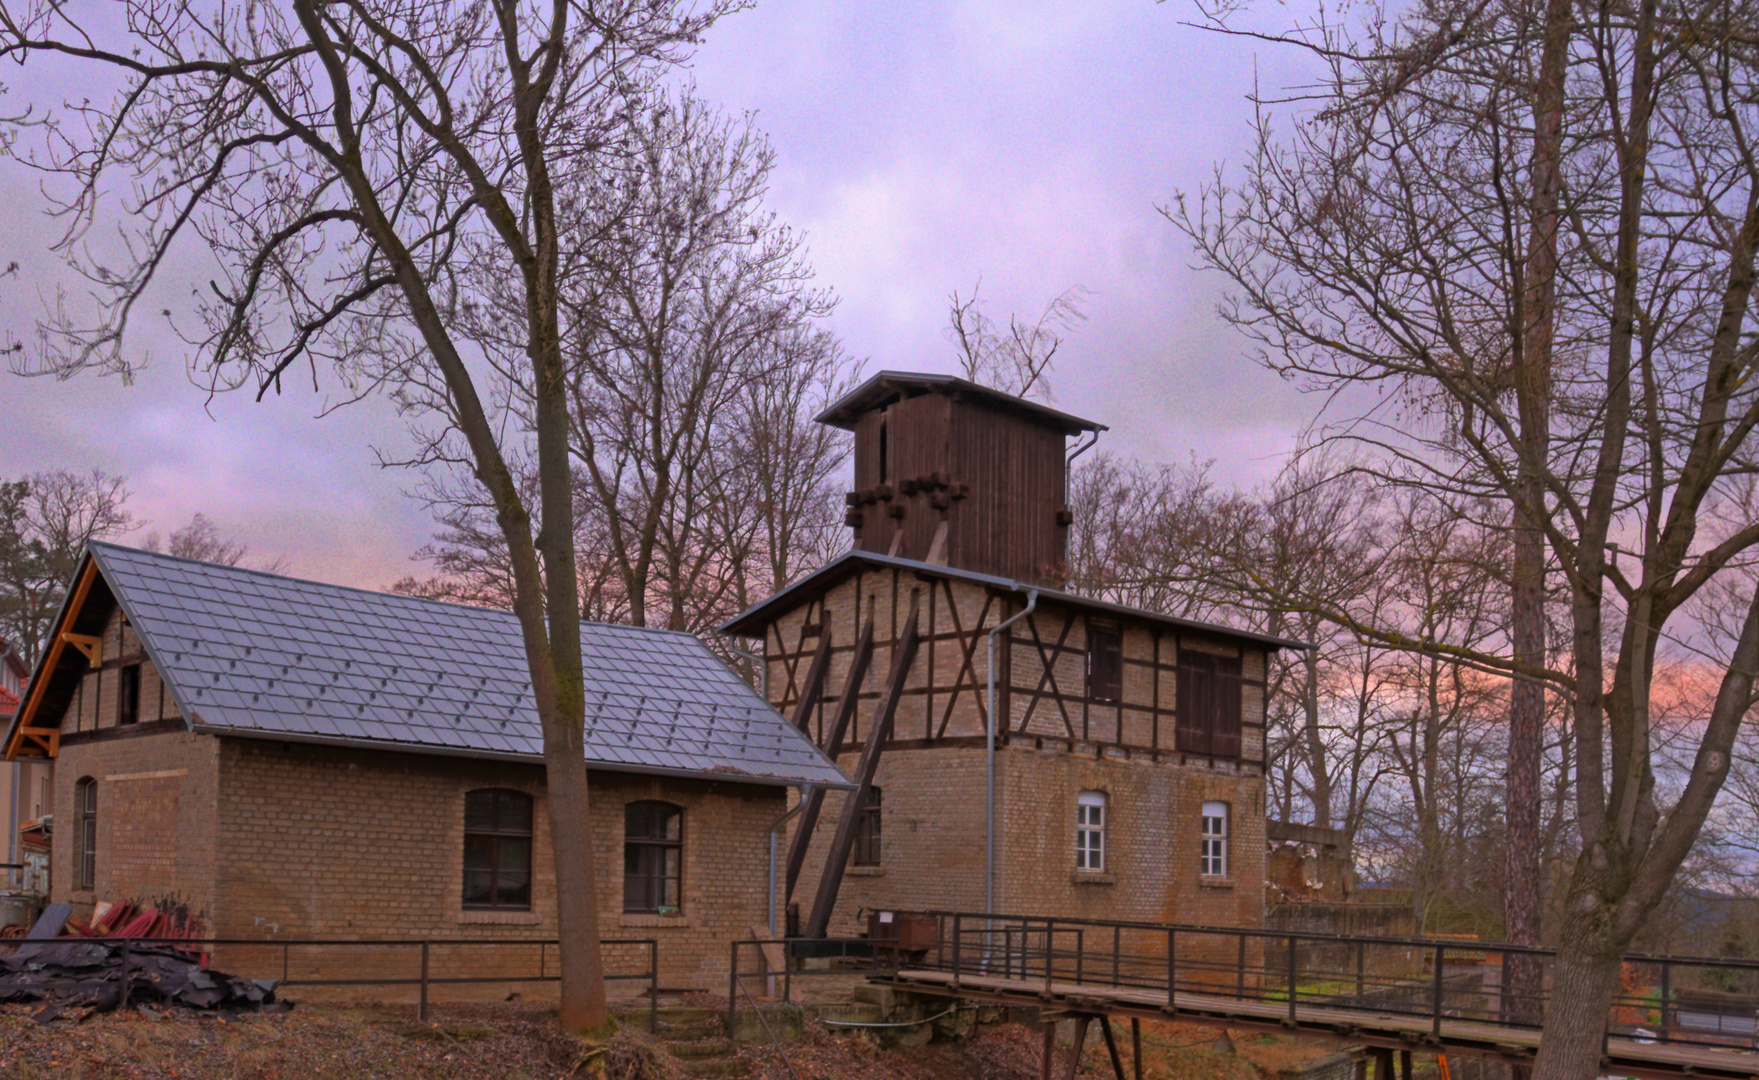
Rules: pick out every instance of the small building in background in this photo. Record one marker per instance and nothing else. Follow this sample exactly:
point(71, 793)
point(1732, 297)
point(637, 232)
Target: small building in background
point(1128, 770)
point(281, 758)
point(24, 802)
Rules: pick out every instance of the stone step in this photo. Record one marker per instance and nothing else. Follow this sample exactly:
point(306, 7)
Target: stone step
point(713, 1067)
point(704, 1048)
point(691, 1031)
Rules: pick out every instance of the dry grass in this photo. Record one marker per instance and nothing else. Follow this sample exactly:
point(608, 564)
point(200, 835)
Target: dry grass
point(466, 1042)
point(518, 1041)
point(1170, 1051)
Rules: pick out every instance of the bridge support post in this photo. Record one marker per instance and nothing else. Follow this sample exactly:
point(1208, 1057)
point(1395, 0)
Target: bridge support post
point(1111, 1046)
point(1404, 1065)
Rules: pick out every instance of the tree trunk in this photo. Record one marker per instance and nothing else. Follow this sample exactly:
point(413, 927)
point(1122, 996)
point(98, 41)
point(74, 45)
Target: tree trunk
point(1584, 979)
point(1537, 318)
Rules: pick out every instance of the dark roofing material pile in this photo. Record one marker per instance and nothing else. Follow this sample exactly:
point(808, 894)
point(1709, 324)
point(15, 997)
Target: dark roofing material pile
point(100, 976)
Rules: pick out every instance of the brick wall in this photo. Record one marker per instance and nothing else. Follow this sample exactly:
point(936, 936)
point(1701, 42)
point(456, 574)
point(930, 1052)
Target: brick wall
point(354, 843)
point(271, 840)
point(156, 827)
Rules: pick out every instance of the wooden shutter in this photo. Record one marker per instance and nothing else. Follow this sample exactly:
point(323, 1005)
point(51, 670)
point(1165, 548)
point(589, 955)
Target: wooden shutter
point(1224, 728)
point(1209, 704)
point(1196, 690)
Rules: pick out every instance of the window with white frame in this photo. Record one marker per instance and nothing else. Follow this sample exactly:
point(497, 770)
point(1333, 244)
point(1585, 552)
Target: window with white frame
point(1214, 859)
point(1090, 831)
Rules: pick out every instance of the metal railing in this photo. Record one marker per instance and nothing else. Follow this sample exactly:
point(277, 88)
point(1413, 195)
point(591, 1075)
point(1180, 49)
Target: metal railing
point(426, 962)
point(1675, 1000)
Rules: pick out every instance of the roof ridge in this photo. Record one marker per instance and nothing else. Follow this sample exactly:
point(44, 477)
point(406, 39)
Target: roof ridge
point(382, 593)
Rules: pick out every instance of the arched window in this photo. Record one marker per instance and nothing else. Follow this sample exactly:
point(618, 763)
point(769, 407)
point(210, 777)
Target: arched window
point(85, 833)
point(653, 857)
point(497, 849)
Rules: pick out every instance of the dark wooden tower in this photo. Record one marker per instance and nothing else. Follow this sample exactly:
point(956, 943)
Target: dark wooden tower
point(950, 472)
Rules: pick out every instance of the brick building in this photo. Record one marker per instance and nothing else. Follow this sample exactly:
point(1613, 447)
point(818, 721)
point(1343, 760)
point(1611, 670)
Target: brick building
point(1128, 765)
point(24, 789)
point(289, 758)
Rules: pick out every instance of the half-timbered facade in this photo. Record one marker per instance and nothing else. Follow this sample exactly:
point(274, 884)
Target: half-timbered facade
point(1129, 746)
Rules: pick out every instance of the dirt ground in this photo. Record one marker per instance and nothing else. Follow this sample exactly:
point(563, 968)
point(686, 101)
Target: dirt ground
point(1170, 1051)
point(516, 1041)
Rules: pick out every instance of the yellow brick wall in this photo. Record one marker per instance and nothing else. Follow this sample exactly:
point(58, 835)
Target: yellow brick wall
point(268, 840)
point(156, 825)
point(357, 843)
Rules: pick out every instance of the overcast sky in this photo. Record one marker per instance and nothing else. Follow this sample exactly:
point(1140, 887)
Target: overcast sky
point(920, 145)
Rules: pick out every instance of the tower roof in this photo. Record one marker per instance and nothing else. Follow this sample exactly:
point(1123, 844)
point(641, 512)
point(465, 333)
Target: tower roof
point(890, 386)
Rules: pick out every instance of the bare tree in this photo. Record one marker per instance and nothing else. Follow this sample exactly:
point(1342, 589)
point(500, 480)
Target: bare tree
point(1381, 244)
point(1017, 361)
point(701, 480)
point(46, 520)
point(202, 540)
point(341, 160)
point(688, 300)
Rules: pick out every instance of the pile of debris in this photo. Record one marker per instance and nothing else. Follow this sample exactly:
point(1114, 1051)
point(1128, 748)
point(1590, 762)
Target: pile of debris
point(79, 977)
point(94, 976)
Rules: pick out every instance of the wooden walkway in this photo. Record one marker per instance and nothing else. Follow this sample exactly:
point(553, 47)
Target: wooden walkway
point(1624, 1056)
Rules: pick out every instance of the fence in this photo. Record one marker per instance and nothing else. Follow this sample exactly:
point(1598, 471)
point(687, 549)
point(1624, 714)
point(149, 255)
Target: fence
point(421, 963)
point(1685, 1001)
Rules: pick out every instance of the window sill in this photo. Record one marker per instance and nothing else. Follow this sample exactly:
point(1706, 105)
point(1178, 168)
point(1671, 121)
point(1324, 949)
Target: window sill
point(1214, 883)
point(866, 871)
point(83, 896)
point(501, 918)
point(630, 919)
point(1092, 877)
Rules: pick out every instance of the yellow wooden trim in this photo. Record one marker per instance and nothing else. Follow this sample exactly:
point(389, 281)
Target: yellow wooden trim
point(29, 708)
point(89, 644)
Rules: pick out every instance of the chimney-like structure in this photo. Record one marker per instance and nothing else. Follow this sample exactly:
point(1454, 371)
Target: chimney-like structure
point(950, 472)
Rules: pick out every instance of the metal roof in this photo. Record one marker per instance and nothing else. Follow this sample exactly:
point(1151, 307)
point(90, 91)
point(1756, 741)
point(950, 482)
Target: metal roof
point(750, 622)
point(248, 653)
point(889, 386)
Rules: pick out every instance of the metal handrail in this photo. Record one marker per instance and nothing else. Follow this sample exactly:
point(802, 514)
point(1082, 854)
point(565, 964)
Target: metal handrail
point(424, 981)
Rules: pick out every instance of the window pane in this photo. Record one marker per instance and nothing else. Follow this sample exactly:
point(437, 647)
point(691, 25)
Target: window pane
point(515, 856)
point(479, 852)
point(512, 812)
point(513, 889)
point(478, 888)
point(479, 811)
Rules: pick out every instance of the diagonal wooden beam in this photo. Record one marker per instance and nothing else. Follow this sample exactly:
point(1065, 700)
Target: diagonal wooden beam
point(27, 711)
point(831, 881)
point(815, 681)
point(814, 800)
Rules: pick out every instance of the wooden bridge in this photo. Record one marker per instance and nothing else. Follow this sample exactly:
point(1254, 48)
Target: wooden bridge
point(1673, 1017)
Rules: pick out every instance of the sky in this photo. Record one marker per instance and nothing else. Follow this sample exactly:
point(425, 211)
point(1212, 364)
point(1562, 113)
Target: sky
point(921, 146)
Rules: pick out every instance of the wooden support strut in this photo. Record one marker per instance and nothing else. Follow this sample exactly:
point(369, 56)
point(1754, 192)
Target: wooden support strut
point(27, 710)
point(815, 681)
point(90, 644)
point(831, 881)
point(815, 799)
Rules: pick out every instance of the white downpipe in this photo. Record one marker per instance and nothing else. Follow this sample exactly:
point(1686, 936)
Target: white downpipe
point(989, 824)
